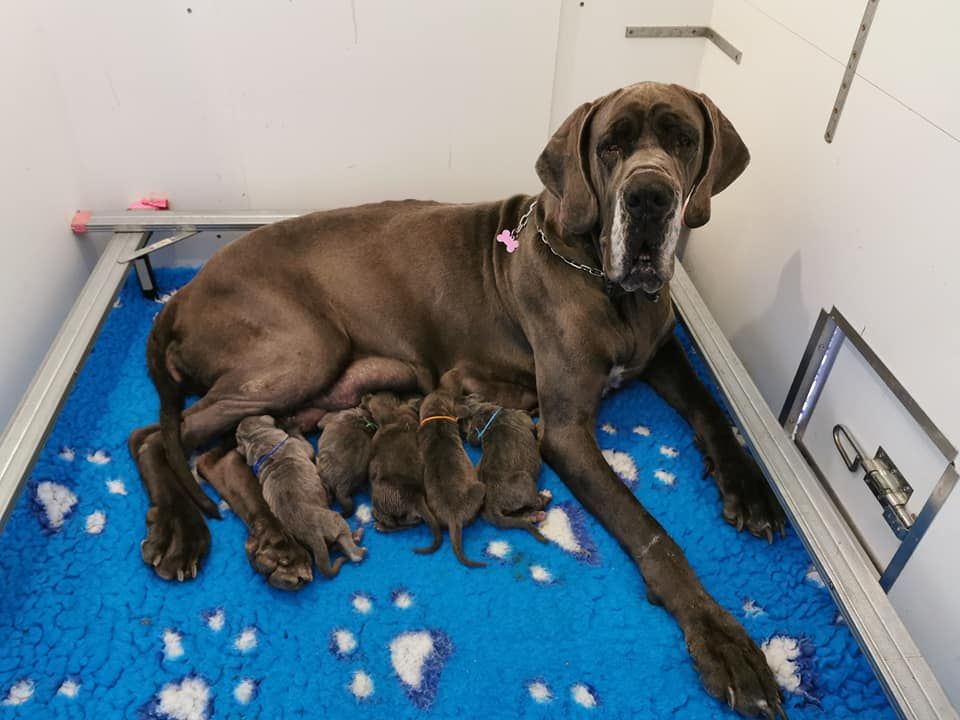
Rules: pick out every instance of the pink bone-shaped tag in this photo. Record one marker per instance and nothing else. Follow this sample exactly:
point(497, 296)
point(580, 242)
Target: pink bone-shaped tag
point(507, 238)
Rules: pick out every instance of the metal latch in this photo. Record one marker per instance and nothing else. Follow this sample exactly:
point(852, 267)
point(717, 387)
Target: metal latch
point(882, 477)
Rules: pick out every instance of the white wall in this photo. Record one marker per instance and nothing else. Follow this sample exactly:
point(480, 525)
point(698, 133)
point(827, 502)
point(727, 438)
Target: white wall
point(42, 269)
point(298, 104)
point(865, 223)
point(594, 57)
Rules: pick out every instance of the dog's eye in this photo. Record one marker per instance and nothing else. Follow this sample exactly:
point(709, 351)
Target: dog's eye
point(684, 141)
point(609, 151)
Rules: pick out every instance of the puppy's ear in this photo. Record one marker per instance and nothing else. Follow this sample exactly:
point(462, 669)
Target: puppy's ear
point(564, 169)
point(724, 158)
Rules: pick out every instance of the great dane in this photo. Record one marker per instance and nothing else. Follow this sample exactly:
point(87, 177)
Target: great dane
point(539, 301)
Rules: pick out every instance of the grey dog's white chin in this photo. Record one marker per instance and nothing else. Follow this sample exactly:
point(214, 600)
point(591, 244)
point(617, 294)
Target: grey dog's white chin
point(643, 277)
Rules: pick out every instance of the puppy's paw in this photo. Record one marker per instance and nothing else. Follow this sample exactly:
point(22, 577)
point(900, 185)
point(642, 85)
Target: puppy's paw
point(277, 555)
point(748, 501)
point(732, 668)
point(177, 540)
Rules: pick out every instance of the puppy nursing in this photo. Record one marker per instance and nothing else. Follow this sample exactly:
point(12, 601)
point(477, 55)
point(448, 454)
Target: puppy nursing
point(509, 467)
point(396, 472)
point(294, 491)
point(453, 492)
point(343, 453)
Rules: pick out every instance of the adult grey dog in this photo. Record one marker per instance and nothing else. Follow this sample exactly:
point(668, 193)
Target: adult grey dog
point(315, 311)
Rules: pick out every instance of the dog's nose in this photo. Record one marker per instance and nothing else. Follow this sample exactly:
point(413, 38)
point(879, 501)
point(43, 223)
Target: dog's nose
point(648, 200)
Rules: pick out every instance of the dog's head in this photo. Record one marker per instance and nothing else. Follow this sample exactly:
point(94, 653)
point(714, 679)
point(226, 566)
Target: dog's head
point(629, 167)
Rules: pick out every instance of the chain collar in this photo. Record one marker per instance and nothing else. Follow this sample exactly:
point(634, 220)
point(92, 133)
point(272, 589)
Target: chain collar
point(590, 270)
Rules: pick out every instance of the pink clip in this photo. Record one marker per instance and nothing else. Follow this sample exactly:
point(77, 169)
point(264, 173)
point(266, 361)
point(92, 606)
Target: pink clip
point(153, 202)
point(79, 222)
point(507, 238)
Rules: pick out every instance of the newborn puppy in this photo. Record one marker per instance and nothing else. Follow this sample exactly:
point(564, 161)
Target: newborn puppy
point(284, 465)
point(510, 464)
point(453, 491)
point(343, 453)
point(396, 472)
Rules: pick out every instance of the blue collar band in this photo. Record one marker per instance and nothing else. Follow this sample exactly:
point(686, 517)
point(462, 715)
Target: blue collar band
point(489, 423)
point(258, 465)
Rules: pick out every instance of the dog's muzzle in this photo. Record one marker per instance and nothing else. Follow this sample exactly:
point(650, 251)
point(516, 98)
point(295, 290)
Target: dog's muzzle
point(644, 233)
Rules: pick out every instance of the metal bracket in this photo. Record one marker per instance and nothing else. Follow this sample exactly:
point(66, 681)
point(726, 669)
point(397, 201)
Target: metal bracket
point(182, 234)
point(675, 31)
point(851, 70)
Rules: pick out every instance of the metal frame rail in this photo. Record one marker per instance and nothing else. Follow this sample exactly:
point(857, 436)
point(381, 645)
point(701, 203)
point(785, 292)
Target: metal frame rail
point(910, 684)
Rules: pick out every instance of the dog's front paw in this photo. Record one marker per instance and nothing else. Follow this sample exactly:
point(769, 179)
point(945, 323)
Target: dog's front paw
point(177, 540)
point(276, 555)
point(732, 668)
point(748, 501)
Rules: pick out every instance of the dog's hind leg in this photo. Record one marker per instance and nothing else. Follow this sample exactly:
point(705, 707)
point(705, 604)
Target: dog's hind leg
point(347, 541)
point(514, 523)
point(263, 383)
point(177, 534)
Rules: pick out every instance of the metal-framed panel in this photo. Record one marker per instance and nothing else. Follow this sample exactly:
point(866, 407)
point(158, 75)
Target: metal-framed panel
point(911, 686)
point(831, 330)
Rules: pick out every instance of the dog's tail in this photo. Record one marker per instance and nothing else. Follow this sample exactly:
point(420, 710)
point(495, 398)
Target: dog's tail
point(171, 412)
point(431, 521)
point(456, 539)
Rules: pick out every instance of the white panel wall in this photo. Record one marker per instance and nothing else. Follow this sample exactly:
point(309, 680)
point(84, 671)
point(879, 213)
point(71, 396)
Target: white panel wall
point(299, 104)
point(42, 268)
point(594, 57)
point(866, 223)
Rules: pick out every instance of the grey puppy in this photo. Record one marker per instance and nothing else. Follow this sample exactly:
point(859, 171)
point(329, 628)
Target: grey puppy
point(396, 471)
point(294, 492)
point(510, 464)
point(453, 491)
point(343, 453)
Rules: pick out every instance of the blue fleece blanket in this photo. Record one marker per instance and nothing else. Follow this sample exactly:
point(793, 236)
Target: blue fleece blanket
point(544, 631)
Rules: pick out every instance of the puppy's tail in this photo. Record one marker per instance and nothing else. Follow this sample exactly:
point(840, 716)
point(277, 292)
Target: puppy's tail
point(171, 411)
point(321, 556)
point(429, 518)
point(456, 539)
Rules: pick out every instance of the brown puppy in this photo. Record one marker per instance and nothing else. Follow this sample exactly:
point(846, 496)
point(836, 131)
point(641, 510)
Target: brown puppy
point(396, 472)
point(510, 464)
point(284, 465)
point(343, 453)
point(453, 491)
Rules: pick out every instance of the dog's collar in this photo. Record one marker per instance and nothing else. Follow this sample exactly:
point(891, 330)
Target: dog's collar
point(434, 418)
point(488, 424)
point(258, 465)
point(509, 239)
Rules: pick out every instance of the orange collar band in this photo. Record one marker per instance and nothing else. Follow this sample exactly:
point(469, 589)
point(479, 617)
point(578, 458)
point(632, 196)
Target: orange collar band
point(448, 418)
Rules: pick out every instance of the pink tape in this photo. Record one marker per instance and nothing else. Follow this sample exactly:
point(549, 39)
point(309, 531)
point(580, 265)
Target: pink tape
point(154, 202)
point(79, 222)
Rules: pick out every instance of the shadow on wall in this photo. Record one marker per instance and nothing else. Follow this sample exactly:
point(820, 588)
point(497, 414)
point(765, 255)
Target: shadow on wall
point(778, 358)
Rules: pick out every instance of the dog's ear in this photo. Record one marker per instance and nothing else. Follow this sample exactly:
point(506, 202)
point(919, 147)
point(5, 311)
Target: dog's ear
point(564, 169)
point(724, 158)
